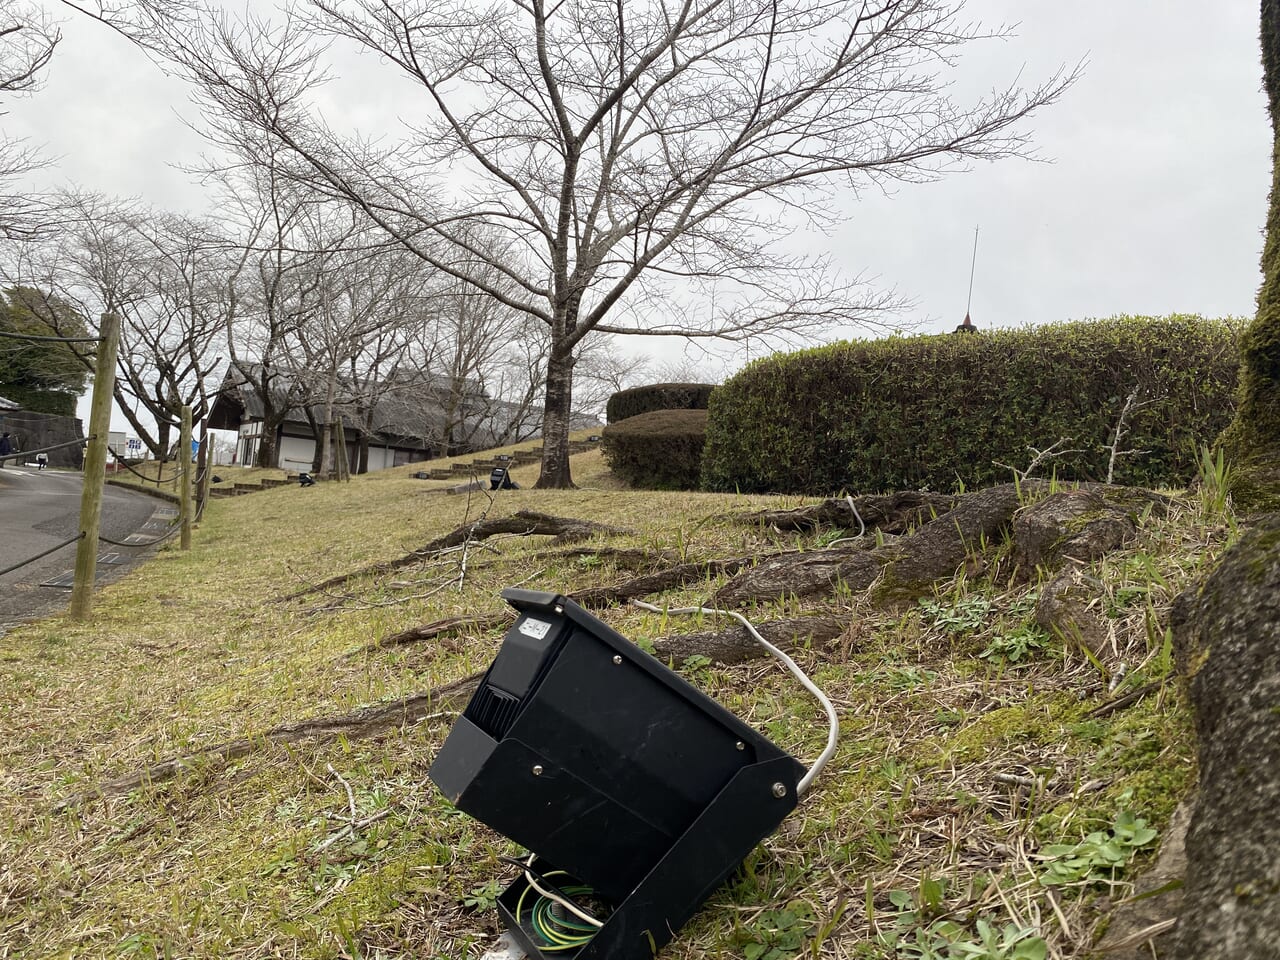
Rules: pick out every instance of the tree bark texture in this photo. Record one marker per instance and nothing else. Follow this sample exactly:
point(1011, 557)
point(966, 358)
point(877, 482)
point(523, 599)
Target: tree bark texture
point(1227, 642)
point(1252, 442)
point(555, 473)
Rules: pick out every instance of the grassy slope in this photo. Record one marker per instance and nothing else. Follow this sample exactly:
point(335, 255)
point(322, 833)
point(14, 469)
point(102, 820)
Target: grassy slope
point(225, 861)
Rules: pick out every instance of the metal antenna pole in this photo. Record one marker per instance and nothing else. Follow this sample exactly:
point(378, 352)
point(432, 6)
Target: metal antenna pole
point(969, 302)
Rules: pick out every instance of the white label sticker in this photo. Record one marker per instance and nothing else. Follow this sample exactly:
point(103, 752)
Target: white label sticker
point(531, 627)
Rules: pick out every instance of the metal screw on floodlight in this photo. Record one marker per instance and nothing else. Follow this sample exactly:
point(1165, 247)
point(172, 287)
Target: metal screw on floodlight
point(537, 769)
point(779, 790)
point(617, 658)
point(740, 745)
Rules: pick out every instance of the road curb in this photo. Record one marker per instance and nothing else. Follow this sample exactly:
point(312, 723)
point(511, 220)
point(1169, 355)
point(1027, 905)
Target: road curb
point(159, 494)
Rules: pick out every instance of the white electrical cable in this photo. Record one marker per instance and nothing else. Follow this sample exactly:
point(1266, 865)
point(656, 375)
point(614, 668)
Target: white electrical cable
point(580, 914)
point(833, 729)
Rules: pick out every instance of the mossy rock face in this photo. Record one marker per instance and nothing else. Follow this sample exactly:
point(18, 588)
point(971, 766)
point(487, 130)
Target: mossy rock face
point(1230, 630)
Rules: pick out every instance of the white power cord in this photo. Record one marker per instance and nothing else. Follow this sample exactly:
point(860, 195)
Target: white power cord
point(580, 914)
point(833, 729)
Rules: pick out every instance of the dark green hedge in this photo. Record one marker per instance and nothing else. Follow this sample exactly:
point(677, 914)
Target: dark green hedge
point(659, 450)
point(934, 411)
point(657, 396)
point(40, 401)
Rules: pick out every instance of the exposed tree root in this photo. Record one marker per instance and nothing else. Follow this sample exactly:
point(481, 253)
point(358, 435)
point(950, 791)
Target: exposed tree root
point(625, 558)
point(934, 551)
point(939, 548)
point(364, 722)
point(891, 512)
point(594, 597)
point(668, 579)
point(523, 523)
point(735, 645)
point(438, 628)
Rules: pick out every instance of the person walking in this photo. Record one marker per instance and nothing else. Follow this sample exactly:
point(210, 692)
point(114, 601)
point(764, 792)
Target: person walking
point(6, 447)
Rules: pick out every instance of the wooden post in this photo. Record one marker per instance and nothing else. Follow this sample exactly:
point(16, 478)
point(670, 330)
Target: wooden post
point(95, 468)
point(185, 479)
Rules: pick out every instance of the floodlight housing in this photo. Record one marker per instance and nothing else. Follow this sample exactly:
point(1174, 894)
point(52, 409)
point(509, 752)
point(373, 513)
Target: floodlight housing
point(607, 766)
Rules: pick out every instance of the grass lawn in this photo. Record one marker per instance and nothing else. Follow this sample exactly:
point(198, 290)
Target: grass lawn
point(966, 748)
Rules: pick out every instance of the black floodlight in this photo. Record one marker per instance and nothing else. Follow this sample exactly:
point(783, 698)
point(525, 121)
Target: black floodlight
point(636, 794)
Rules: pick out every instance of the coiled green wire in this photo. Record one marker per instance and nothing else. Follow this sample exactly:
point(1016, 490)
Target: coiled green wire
point(559, 934)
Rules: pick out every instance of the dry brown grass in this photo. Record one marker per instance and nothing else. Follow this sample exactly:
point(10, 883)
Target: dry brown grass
point(950, 766)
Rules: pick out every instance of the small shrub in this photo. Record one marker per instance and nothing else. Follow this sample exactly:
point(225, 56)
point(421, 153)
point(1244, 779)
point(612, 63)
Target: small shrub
point(658, 396)
point(660, 450)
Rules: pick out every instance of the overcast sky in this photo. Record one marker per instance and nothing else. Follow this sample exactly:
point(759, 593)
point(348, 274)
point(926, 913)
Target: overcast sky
point(1151, 199)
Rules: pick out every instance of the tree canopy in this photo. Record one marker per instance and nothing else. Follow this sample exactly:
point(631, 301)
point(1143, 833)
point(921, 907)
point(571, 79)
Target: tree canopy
point(32, 368)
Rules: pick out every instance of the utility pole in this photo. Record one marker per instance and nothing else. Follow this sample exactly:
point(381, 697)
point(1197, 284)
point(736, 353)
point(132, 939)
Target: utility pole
point(95, 468)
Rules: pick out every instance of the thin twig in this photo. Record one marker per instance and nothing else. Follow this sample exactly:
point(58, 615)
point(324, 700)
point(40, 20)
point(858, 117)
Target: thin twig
point(1048, 453)
point(351, 797)
point(350, 829)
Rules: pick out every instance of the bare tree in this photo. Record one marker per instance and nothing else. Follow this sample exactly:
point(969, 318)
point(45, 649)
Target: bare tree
point(27, 41)
point(277, 289)
point(170, 340)
point(638, 159)
point(602, 370)
point(165, 278)
point(359, 293)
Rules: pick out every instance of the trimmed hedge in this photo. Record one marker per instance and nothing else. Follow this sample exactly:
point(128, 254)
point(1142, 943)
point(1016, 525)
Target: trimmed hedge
point(658, 450)
point(657, 396)
point(931, 412)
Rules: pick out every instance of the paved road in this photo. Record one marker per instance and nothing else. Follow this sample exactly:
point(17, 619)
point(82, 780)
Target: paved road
point(39, 509)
